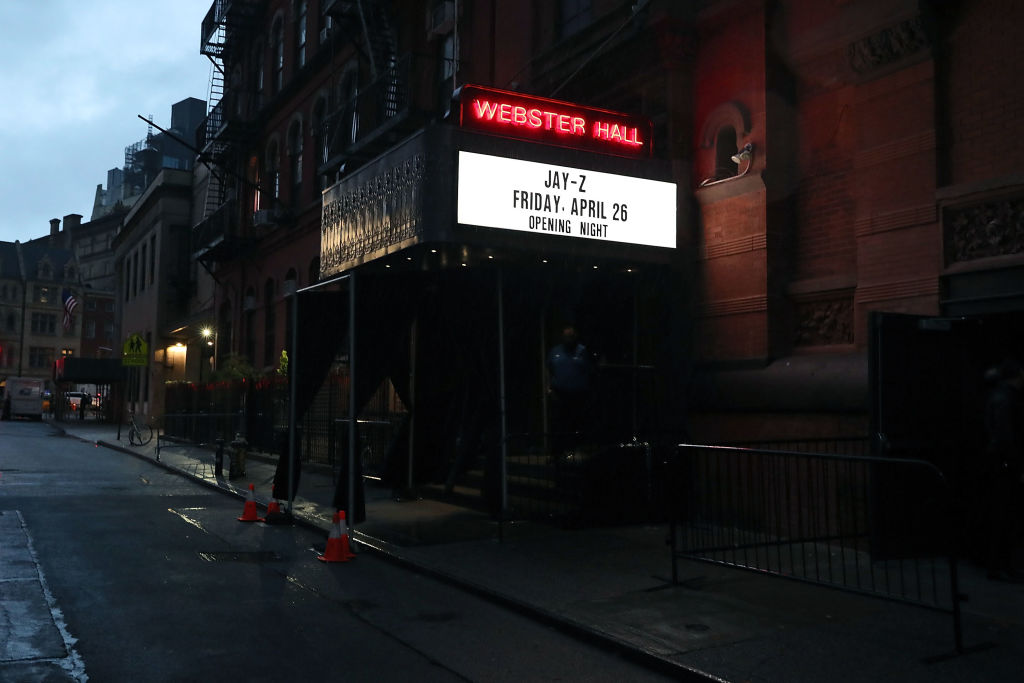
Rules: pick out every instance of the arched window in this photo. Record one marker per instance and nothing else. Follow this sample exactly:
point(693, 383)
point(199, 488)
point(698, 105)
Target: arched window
point(277, 47)
point(725, 148)
point(249, 318)
point(348, 91)
point(295, 152)
point(291, 281)
point(317, 130)
point(224, 330)
point(720, 134)
point(269, 322)
point(300, 33)
point(273, 166)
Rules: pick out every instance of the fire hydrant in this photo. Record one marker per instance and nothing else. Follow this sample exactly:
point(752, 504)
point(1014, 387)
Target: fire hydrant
point(218, 459)
point(239, 449)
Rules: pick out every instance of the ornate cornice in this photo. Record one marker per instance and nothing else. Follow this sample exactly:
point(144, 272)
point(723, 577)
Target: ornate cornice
point(383, 211)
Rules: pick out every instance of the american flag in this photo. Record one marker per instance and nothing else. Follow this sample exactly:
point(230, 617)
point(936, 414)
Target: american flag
point(70, 304)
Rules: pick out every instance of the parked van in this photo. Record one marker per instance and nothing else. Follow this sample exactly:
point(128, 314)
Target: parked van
point(23, 396)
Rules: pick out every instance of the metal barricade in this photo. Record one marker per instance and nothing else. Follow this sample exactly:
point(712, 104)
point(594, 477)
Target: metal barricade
point(878, 526)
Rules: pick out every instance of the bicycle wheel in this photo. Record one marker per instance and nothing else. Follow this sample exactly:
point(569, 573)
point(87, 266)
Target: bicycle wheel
point(143, 435)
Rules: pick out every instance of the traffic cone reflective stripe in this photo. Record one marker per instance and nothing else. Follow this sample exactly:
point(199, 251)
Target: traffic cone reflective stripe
point(250, 513)
point(338, 549)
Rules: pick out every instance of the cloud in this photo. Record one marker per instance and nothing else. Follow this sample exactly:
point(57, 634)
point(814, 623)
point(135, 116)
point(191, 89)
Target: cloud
point(75, 75)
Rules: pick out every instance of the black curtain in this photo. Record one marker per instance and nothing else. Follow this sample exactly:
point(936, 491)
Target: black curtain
point(322, 328)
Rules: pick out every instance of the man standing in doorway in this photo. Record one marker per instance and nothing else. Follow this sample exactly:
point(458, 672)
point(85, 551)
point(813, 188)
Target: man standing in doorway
point(571, 370)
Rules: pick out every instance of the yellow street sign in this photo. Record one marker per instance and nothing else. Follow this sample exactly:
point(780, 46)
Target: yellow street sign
point(135, 351)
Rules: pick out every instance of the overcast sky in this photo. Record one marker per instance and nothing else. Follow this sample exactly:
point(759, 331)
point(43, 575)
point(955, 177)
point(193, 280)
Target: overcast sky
point(73, 76)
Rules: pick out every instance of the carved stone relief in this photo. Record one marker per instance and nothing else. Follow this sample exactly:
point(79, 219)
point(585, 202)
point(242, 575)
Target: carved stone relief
point(983, 230)
point(889, 46)
point(824, 323)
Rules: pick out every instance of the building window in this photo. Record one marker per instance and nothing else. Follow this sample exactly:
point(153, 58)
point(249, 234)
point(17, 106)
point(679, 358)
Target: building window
point(42, 295)
point(90, 305)
point(446, 66)
point(108, 331)
point(152, 259)
point(259, 73)
point(44, 323)
point(109, 307)
point(269, 323)
point(575, 16)
point(295, 150)
point(277, 38)
point(348, 94)
point(135, 273)
point(142, 275)
point(300, 34)
point(12, 323)
point(273, 166)
point(90, 329)
point(249, 323)
point(40, 357)
point(320, 151)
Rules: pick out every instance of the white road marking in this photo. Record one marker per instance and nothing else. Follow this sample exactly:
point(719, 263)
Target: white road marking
point(72, 663)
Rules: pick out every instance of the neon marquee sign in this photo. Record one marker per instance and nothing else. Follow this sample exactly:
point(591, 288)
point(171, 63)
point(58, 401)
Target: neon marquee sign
point(538, 119)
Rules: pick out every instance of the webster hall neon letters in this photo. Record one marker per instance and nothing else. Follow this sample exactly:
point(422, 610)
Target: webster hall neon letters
point(538, 119)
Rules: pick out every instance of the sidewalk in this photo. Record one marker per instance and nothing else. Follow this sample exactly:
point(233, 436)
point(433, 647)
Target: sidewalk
point(612, 586)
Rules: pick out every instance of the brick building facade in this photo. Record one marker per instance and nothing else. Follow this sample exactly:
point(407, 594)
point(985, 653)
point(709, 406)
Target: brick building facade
point(879, 175)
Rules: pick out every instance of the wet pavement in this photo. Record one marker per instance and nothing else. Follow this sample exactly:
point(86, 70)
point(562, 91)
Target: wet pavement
point(612, 585)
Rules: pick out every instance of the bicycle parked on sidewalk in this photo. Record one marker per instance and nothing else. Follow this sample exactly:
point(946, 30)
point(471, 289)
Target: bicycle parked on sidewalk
point(138, 434)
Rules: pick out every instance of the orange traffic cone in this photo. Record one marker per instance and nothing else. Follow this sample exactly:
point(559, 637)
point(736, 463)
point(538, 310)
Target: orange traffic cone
point(337, 542)
point(275, 515)
point(250, 513)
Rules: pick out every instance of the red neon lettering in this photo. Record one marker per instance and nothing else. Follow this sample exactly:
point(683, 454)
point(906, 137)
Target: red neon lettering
point(484, 109)
point(563, 124)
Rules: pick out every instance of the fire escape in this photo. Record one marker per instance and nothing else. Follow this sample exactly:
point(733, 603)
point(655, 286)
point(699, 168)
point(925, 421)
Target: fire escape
point(216, 237)
point(370, 115)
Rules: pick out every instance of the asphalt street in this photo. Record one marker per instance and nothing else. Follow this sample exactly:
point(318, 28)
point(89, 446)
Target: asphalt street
point(113, 569)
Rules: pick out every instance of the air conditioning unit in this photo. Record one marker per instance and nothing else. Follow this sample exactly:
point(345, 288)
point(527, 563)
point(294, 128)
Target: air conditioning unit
point(441, 18)
point(263, 218)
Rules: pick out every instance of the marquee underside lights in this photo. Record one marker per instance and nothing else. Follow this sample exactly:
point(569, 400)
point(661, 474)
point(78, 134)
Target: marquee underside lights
point(573, 203)
point(553, 122)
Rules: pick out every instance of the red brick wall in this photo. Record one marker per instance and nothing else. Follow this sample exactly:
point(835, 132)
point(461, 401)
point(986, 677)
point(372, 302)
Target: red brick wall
point(982, 101)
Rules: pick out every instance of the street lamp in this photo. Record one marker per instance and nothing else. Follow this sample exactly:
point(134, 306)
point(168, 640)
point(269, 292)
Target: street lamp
point(206, 358)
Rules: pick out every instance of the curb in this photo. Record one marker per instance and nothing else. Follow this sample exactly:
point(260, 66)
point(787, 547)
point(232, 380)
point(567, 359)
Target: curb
point(390, 553)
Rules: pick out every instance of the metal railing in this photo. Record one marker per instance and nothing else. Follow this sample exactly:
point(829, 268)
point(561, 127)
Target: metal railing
point(201, 428)
point(871, 525)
